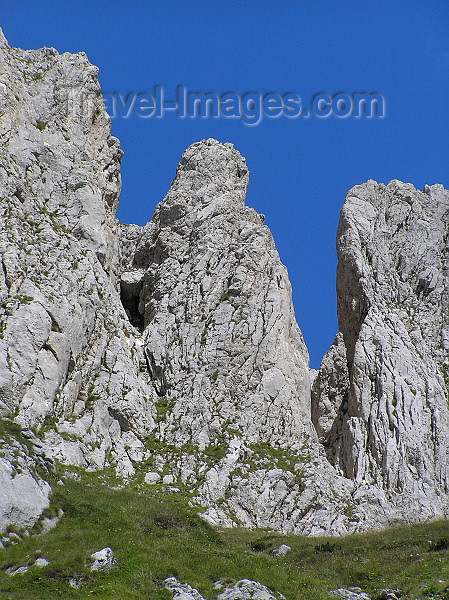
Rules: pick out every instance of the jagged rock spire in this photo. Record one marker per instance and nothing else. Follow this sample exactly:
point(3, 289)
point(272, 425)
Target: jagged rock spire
point(3, 40)
point(393, 299)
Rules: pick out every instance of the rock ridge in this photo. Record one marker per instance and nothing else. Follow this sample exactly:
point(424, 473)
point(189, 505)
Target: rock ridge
point(170, 352)
point(388, 404)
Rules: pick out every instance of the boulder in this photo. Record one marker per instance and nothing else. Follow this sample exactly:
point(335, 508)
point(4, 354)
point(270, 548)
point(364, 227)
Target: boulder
point(103, 560)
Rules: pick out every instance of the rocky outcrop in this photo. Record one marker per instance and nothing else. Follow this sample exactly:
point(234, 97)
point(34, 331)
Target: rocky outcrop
point(174, 343)
point(224, 351)
point(354, 593)
point(23, 494)
point(181, 591)
point(393, 301)
point(171, 353)
point(241, 590)
point(220, 335)
point(69, 363)
point(103, 560)
point(330, 396)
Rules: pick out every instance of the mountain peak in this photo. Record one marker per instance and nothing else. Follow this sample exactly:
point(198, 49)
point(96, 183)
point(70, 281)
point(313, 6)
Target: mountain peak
point(171, 352)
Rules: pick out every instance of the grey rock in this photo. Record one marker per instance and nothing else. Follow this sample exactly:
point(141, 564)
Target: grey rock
point(247, 590)
point(181, 591)
point(23, 492)
point(282, 550)
point(49, 523)
point(103, 560)
point(216, 327)
point(183, 331)
point(330, 389)
point(350, 594)
point(225, 353)
point(23, 495)
point(67, 350)
point(242, 590)
point(75, 583)
point(18, 571)
point(390, 594)
point(393, 294)
point(41, 562)
point(152, 478)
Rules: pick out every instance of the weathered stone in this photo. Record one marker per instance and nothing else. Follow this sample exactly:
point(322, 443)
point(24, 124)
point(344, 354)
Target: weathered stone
point(67, 348)
point(390, 594)
point(181, 591)
point(393, 296)
point(182, 332)
point(18, 571)
point(23, 496)
point(225, 353)
point(282, 550)
point(152, 478)
point(330, 389)
point(248, 590)
point(350, 594)
point(75, 583)
point(48, 523)
point(41, 562)
point(103, 560)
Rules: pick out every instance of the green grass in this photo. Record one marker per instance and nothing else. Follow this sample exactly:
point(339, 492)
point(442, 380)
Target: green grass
point(164, 406)
point(155, 534)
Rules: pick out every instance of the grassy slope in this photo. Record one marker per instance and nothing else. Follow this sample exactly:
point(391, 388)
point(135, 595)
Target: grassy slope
point(155, 537)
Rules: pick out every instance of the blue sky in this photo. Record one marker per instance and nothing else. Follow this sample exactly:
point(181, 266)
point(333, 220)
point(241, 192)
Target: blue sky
point(300, 168)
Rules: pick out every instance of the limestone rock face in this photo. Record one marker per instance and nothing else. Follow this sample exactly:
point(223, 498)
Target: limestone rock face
point(330, 394)
point(181, 591)
point(220, 335)
point(174, 343)
point(244, 589)
point(393, 302)
point(23, 494)
point(69, 360)
point(247, 590)
point(350, 594)
point(224, 350)
point(171, 351)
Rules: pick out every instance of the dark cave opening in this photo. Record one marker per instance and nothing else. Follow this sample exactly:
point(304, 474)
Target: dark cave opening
point(130, 288)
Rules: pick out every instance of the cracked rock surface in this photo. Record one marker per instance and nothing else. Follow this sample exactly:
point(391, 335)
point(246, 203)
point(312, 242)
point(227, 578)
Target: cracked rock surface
point(171, 352)
point(68, 364)
point(242, 590)
point(385, 414)
point(226, 355)
point(24, 494)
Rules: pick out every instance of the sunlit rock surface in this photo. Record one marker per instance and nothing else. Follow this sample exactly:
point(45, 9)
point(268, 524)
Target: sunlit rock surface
point(170, 352)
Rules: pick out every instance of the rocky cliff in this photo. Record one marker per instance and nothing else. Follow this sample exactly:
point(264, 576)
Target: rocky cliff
point(381, 396)
point(171, 353)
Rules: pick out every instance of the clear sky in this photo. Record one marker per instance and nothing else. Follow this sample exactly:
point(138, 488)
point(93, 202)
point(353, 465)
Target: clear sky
point(300, 168)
